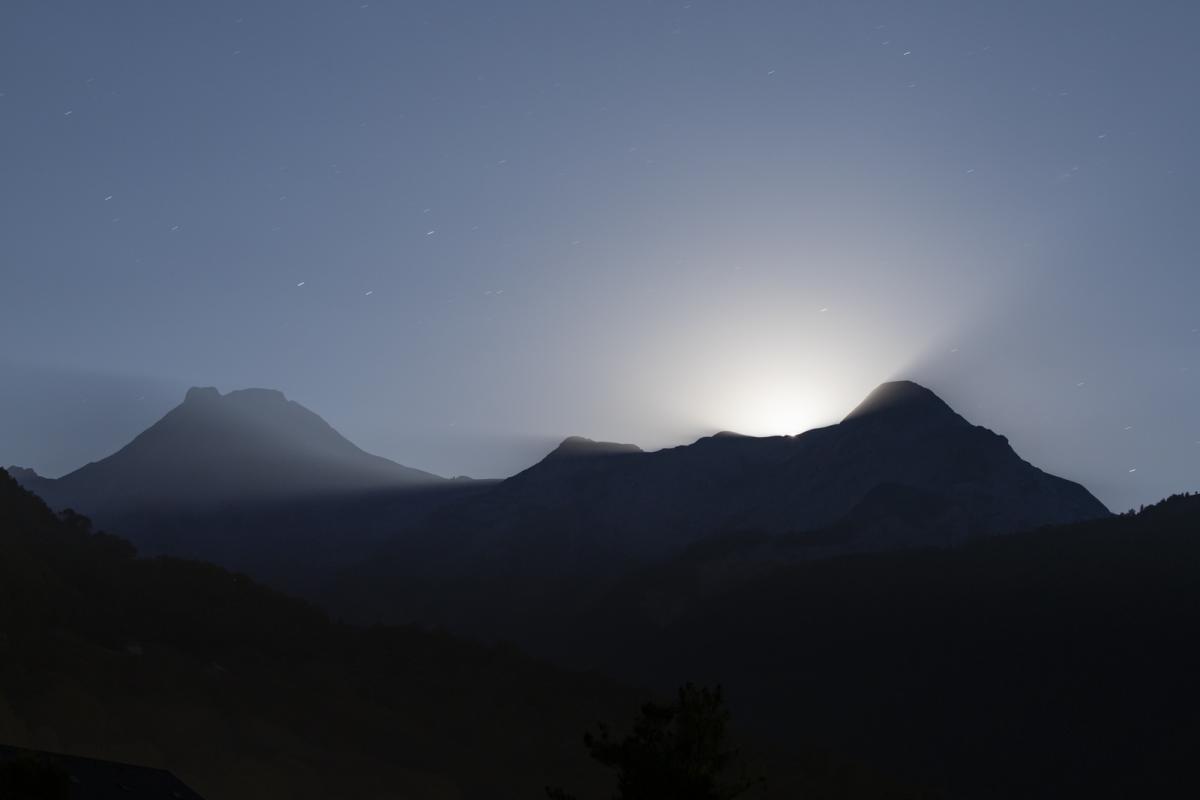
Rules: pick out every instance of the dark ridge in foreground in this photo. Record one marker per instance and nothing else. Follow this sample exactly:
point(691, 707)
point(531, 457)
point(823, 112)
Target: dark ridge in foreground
point(245, 693)
point(36, 775)
point(1058, 662)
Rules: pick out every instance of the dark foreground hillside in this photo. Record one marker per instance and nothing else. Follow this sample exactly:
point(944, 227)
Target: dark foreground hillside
point(1061, 662)
point(245, 693)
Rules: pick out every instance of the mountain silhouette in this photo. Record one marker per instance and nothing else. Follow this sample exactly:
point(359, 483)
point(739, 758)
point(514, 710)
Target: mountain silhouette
point(580, 447)
point(903, 402)
point(251, 445)
point(901, 470)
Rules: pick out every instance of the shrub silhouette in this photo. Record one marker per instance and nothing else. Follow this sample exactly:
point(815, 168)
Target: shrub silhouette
point(677, 751)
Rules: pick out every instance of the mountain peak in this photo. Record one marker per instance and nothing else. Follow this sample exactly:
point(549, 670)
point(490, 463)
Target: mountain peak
point(22, 475)
point(902, 398)
point(245, 446)
point(580, 447)
point(244, 397)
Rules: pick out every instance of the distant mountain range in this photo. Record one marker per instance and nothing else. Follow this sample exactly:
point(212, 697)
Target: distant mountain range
point(902, 470)
point(900, 588)
point(1052, 663)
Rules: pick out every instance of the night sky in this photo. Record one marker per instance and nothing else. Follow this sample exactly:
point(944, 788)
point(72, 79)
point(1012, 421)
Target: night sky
point(461, 231)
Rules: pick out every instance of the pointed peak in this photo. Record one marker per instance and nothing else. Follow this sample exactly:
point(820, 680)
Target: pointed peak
point(581, 447)
point(902, 398)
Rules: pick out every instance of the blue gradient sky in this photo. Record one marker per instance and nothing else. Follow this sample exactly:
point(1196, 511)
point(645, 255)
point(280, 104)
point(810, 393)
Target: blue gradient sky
point(640, 221)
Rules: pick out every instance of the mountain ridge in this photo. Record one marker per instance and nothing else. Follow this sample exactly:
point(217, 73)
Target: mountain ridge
point(213, 449)
point(608, 506)
point(903, 469)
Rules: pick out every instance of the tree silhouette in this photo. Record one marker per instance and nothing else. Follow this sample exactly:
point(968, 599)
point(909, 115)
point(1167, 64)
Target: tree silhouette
point(677, 751)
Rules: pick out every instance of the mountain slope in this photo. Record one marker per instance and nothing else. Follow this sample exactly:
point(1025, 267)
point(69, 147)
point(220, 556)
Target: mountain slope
point(902, 458)
point(252, 445)
point(1059, 662)
point(245, 693)
point(257, 483)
